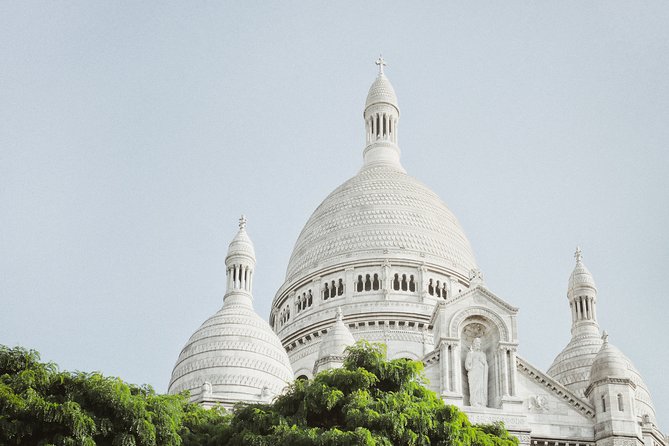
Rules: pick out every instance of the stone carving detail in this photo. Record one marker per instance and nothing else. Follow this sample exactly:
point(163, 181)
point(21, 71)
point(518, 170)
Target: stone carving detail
point(538, 403)
point(206, 389)
point(477, 375)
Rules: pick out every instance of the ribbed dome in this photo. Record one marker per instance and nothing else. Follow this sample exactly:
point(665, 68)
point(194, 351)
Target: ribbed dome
point(610, 362)
point(237, 352)
point(571, 367)
point(381, 208)
point(241, 244)
point(381, 91)
point(580, 276)
point(336, 340)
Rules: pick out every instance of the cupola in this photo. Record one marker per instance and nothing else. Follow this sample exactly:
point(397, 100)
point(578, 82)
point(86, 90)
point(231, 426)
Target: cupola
point(382, 116)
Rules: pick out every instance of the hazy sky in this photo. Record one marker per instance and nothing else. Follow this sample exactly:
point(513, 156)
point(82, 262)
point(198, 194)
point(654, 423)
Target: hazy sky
point(134, 134)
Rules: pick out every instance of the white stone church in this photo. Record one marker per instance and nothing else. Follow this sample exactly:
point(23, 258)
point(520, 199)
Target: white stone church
point(383, 259)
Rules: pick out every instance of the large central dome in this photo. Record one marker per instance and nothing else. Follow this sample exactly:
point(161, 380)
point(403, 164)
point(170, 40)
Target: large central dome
point(380, 209)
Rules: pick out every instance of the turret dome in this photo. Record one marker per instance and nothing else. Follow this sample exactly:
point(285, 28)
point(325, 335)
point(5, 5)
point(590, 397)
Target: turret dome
point(610, 362)
point(337, 339)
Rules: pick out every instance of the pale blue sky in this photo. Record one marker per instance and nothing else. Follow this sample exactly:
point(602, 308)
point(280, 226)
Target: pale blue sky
point(134, 134)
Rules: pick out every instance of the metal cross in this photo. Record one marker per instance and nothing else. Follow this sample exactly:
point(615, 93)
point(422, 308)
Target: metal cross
point(578, 255)
point(242, 222)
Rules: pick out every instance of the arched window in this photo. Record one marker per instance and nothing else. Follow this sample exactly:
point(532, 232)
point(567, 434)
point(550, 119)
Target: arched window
point(368, 283)
point(620, 402)
point(376, 284)
point(405, 284)
point(430, 288)
point(326, 292)
point(603, 404)
point(310, 299)
point(412, 284)
point(438, 289)
point(396, 282)
point(340, 288)
point(359, 285)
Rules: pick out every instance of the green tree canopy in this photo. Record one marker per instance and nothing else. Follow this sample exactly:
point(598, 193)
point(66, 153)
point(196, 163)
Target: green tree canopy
point(40, 405)
point(369, 401)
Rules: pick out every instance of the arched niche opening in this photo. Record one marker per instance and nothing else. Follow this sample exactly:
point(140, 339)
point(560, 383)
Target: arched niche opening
point(480, 365)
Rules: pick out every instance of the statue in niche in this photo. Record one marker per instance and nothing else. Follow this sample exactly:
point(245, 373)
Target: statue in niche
point(206, 390)
point(476, 365)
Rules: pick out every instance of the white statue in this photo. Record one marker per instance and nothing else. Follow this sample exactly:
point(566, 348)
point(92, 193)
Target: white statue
point(206, 390)
point(477, 374)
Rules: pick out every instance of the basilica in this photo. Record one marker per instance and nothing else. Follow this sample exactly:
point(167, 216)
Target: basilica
point(384, 259)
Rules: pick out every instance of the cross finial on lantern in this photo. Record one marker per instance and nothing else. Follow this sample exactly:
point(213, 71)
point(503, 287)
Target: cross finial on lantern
point(578, 254)
point(242, 222)
point(381, 63)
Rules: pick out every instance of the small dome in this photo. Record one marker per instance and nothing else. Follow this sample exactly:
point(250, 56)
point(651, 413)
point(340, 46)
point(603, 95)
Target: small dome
point(337, 339)
point(238, 354)
point(581, 276)
point(381, 92)
point(241, 244)
point(609, 363)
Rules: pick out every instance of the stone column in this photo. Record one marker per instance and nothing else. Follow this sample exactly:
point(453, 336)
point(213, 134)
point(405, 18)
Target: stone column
point(444, 359)
point(505, 371)
point(422, 286)
point(457, 369)
point(349, 282)
point(512, 371)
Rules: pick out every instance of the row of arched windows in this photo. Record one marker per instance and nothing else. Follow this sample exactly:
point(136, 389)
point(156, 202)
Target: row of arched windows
point(333, 289)
point(436, 288)
point(401, 283)
point(368, 283)
point(381, 126)
point(285, 315)
point(304, 301)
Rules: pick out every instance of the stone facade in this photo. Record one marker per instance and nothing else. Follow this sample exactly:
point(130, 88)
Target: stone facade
point(384, 259)
point(388, 252)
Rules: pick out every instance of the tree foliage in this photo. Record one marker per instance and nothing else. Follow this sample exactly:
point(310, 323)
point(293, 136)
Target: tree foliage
point(41, 405)
point(369, 401)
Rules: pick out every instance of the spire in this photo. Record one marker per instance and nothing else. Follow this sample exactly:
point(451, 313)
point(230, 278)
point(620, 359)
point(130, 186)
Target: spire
point(381, 122)
point(582, 295)
point(240, 264)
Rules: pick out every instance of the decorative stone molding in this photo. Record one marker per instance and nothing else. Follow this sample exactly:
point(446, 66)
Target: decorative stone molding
point(555, 388)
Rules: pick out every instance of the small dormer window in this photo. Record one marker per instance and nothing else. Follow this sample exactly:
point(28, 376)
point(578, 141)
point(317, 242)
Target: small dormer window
point(621, 408)
point(603, 404)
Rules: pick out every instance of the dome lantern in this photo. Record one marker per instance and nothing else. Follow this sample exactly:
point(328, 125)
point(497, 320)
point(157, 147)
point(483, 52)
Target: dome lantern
point(381, 116)
point(582, 295)
point(240, 264)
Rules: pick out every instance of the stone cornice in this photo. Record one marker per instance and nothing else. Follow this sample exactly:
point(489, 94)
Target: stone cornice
point(609, 380)
point(485, 291)
point(554, 387)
